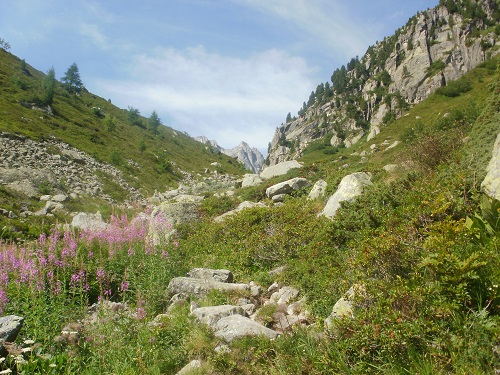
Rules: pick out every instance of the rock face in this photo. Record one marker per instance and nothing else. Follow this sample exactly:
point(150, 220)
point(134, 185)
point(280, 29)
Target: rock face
point(286, 187)
point(9, 328)
point(250, 157)
point(432, 49)
point(491, 183)
point(349, 188)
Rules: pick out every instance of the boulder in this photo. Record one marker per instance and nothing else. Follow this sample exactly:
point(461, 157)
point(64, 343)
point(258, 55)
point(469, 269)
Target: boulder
point(284, 295)
point(286, 187)
point(491, 183)
point(251, 180)
point(9, 329)
point(318, 190)
point(279, 169)
point(59, 198)
point(349, 188)
point(87, 221)
point(178, 212)
point(200, 287)
point(210, 315)
point(224, 276)
point(191, 368)
point(344, 307)
point(237, 326)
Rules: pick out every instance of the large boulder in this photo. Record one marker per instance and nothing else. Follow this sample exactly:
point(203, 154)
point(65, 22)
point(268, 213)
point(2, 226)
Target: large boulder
point(87, 221)
point(279, 169)
point(210, 315)
point(237, 326)
point(349, 188)
point(201, 287)
point(251, 180)
point(318, 190)
point(9, 329)
point(286, 187)
point(177, 212)
point(224, 276)
point(491, 183)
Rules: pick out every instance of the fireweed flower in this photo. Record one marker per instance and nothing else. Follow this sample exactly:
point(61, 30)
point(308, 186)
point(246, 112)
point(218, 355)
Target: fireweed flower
point(124, 286)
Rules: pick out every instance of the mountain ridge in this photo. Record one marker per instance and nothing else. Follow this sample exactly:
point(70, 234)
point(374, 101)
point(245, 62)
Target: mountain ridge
point(434, 48)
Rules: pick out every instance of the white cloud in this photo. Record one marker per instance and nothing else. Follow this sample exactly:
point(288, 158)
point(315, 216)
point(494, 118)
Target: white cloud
point(229, 99)
point(92, 32)
point(329, 22)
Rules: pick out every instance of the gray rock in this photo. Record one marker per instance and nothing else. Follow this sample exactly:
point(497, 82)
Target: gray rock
point(349, 188)
point(344, 306)
point(59, 198)
point(87, 221)
point(199, 287)
point(279, 169)
point(284, 295)
point(191, 368)
point(9, 329)
point(177, 212)
point(210, 315)
point(224, 276)
point(318, 190)
point(237, 326)
point(286, 187)
point(390, 168)
point(491, 183)
point(251, 180)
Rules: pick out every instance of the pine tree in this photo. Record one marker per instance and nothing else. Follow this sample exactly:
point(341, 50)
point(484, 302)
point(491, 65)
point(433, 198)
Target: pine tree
point(48, 87)
point(154, 122)
point(72, 81)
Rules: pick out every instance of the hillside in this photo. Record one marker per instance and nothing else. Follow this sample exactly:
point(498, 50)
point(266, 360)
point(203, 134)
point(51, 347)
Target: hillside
point(434, 48)
point(260, 276)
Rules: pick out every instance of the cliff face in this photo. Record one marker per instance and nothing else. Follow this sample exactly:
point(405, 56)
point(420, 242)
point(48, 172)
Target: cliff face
point(435, 47)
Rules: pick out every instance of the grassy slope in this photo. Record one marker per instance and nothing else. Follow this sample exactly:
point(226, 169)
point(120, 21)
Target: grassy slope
point(75, 123)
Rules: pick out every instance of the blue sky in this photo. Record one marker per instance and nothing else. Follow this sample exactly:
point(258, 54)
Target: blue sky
point(227, 69)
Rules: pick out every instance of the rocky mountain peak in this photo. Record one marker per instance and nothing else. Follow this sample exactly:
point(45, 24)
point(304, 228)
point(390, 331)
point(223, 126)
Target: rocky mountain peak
point(250, 157)
point(434, 48)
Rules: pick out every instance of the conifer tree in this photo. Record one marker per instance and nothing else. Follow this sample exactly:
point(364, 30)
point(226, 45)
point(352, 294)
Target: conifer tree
point(72, 80)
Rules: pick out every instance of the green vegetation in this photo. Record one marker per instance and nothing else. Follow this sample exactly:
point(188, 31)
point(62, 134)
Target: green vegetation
point(92, 124)
point(423, 242)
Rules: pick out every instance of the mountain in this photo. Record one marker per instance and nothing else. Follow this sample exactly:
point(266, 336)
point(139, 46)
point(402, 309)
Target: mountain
point(80, 142)
point(250, 157)
point(435, 48)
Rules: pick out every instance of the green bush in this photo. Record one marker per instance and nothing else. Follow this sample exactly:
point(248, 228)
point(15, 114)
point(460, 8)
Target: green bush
point(455, 88)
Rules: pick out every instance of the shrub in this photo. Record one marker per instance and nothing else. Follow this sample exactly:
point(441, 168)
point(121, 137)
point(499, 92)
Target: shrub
point(455, 88)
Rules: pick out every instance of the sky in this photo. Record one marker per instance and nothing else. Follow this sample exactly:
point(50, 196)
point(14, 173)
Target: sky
point(230, 70)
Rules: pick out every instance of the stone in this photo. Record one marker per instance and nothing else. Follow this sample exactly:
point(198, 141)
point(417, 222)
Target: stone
point(491, 183)
point(200, 288)
point(224, 276)
point(177, 212)
point(10, 326)
point(353, 139)
point(279, 198)
point(344, 306)
point(45, 198)
point(87, 221)
point(237, 326)
point(349, 188)
point(318, 190)
point(210, 315)
point(59, 198)
point(286, 187)
point(279, 169)
point(390, 168)
point(191, 368)
point(251, 180)
point(284, 295)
